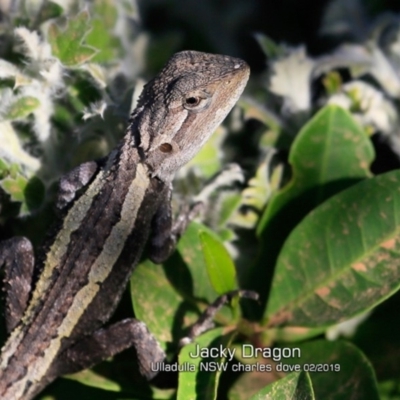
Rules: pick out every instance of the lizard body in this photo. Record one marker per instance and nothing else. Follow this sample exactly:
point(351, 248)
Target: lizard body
point(107, 210)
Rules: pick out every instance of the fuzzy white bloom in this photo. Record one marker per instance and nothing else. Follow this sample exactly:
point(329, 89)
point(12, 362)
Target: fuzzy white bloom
point(231, 174)
point(373, 107)
point(12, 150)
point(97, 73)
point(94, 109)
point(43, 113)
point(8, 70)
point(41, 64)
point(35, 48)
point(385, 72)
point(52, 72)
point(291, 79)
point(363, 60)
point(6, 100)
point(43, 78)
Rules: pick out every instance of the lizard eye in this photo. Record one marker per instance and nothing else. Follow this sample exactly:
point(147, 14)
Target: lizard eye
point(196, 102)
point(192, 101)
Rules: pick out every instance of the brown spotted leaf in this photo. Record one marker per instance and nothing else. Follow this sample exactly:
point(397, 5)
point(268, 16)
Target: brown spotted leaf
point(342, 259)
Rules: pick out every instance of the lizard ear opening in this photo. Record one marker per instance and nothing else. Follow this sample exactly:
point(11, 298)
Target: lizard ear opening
point(165, 148)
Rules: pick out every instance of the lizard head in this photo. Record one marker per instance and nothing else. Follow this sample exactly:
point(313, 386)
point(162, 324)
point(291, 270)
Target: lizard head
point(181, 107)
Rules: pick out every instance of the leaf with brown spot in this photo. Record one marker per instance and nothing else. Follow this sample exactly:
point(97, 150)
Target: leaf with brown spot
point(157, 303)
point(343, 258)
point(164, 296)
point(330, 153)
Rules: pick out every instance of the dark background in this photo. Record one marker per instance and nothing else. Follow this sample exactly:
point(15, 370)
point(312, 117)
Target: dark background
point(228, 26)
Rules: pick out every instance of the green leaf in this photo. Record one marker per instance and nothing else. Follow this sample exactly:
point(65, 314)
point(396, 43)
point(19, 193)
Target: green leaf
point(268, 46)
point(257, 111)
point(208, 159)
point(343, 258)
point(49, 10)
point(341, 370)
point(389, 390)
point(22, 107)
point(294, 386)
point(332, 82)
point(228, 205)
point(67, 44)
point(202, 384)
point(89, 385)
point(91, 378)
point(15, 187)
point(155, 301)
point(379, 339)
point(29, 192)
point(190, 260)
point(259, 189)
point(220, 267)
point(330, 154)
point(100, 37)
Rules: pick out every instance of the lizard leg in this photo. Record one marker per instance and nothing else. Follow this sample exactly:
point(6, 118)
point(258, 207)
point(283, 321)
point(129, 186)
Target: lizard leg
point(205, 322)
point(164, 232)
point(74, 180)
point(17, 256)
point(107, 342)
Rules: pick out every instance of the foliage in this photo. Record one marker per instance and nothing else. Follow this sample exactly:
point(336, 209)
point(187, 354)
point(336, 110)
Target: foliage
point(314, 233)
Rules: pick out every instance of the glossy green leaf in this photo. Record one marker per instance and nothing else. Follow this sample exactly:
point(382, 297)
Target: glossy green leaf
point(67, 44)
point(330, 153)
point(220, 267)
point(155, 301)
point(338, 370)
point(190, 260)
point(343, 258)
point(163, 293)
point(200, 383)
point(294, 386)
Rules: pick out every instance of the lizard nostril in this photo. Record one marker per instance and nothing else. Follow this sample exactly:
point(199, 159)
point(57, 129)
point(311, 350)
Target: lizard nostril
point(165, 148)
